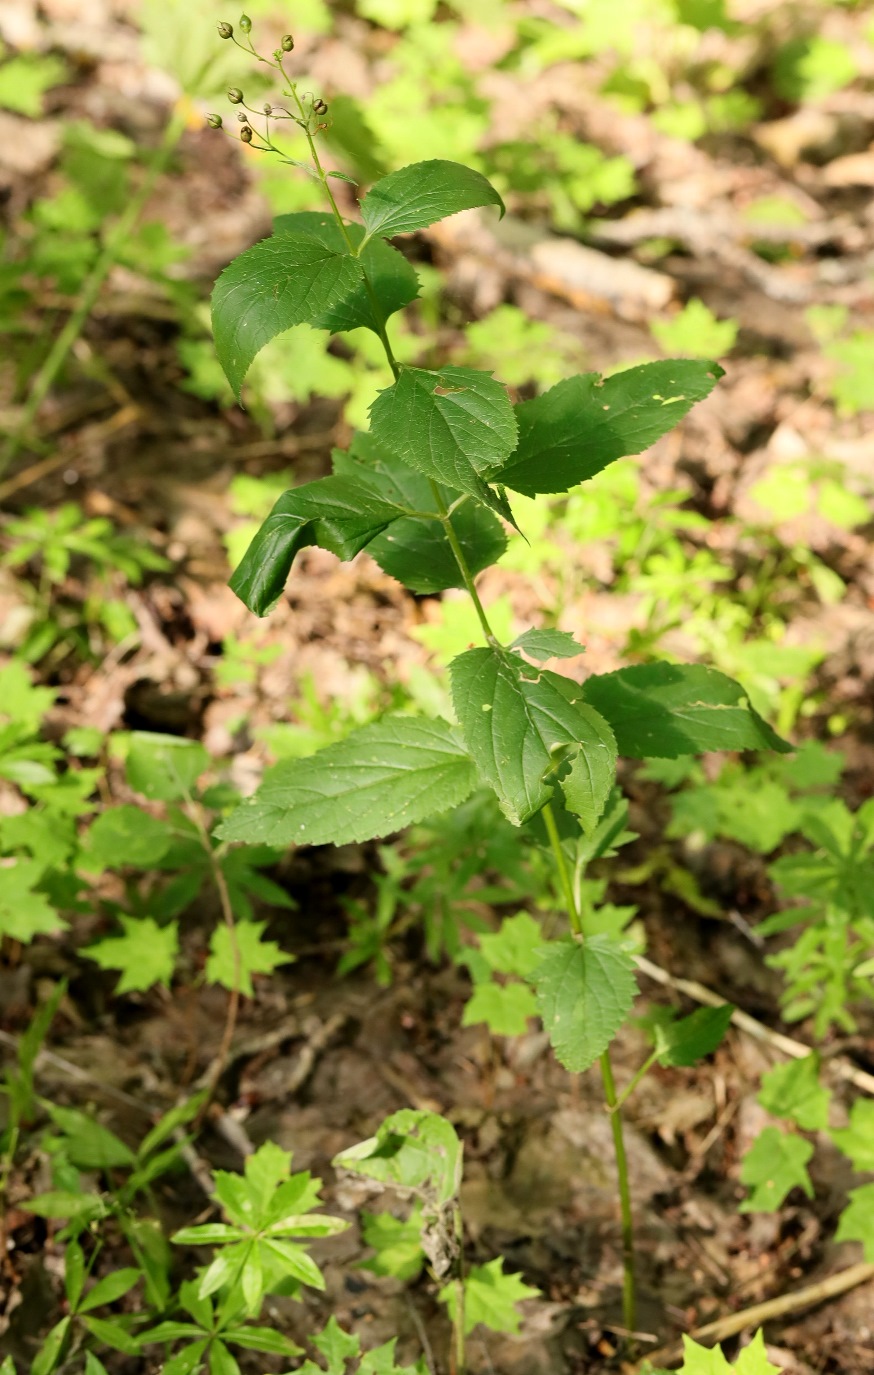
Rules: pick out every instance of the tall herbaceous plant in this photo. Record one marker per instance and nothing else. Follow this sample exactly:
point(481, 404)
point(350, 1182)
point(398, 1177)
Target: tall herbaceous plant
point(428, 490)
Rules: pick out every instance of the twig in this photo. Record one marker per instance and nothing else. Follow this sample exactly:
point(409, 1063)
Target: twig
point(796, 1049)
point(779, 1307)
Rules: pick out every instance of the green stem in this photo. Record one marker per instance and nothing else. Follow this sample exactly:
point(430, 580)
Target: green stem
point(629, 1303)
point(460, 1355)
point(461, 561)
point(118, 236)
point(613, 1105)
point(641, 1073)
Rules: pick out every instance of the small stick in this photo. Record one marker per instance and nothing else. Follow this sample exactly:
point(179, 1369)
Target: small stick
point(760, 1313)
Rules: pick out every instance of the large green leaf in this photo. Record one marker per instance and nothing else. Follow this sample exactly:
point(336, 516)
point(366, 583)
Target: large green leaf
point(580, 425)
point(689, 1040)
point(291, 279)
point(378, 780)
point(660, 711)
point(419, 195)
point(416, 550)
point(452, 424)
point(588, 785)
point(584, 993)
point(518, 722)
point(414, 1150)
point(340, 514)
point(393, 281)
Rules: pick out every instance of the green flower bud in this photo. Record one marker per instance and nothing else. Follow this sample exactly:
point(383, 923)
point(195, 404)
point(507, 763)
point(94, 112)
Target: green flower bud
point(235, 95)
point(245, 23)
point(246, 133)
point(226, 30)
point(268, 109)
point(320, 107)
point(287, 43)
point(214, 121)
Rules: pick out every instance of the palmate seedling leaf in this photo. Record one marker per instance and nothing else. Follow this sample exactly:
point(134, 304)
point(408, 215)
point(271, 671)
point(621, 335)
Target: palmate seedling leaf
point(393, 280)
point(514, 948)
point(575, 429)
point(664, 710)
point(517, 727)
point(857, 1220)
point(548, 644)
point(857, 1140)
point(254, 956)
point(24, 911)
point(584, 993)
point(145, 954)
point(291, 279)
point(703, 1360)
point(340, 514)
point(490, 1297)
point(505, 1008)
point(419, 195)
point(775, 1165)
point(413, 1150)
point(414, 550)
point(689, 1040)
point(452, 424)
point(793, 1090)
point(378, 780)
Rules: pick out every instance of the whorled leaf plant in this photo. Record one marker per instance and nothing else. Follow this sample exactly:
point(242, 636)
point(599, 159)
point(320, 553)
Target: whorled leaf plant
point(425, 490)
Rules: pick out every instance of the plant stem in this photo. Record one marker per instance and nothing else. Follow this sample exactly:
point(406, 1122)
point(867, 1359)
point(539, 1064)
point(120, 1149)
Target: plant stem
point(121, 231)
point(629, 1303)
point(459, 1355)
point(641, 1073)
point(628, 1286)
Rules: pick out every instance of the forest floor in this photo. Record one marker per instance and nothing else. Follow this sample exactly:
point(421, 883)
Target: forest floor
point(317, 1061)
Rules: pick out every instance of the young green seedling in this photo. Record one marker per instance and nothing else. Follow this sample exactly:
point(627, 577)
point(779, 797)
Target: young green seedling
point(427, 490)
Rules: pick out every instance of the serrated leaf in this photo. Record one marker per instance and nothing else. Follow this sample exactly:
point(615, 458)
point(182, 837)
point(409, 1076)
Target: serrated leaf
point(490, 1297)
point(340, 514)
point(505, 1008)
point(145, 954)
point(857, 1220)
point(291, 279)
point(232, 962)
point(516, 723)
point(793, 1090)
point(548, 644)
point(419, 195)
point(857, 1140)
point(776, 1164)
point(378, 780)
point(588, 785)
point(414, 1150)
point(582, 424)
point(689, 1040)
point(415, 550)
point(584, 994)
point(664, 710)
point(452, 424)
point(392, 279)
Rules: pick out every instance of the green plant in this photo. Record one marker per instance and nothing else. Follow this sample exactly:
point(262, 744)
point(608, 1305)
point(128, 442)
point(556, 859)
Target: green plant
point(426, 489)
point(57, 545)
